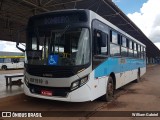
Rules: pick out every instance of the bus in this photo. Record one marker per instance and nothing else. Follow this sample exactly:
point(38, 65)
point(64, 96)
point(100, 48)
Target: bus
point(76, 55)
point(11, 62)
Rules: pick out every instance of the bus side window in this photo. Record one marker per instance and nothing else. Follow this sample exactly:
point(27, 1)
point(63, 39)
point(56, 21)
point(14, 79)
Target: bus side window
point(7, 60)
point(1, 60)
point(100, 42)
point(14, 60)
point(114, 44)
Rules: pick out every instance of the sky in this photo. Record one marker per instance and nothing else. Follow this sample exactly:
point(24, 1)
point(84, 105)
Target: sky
point(144, 13)
point(9, 46)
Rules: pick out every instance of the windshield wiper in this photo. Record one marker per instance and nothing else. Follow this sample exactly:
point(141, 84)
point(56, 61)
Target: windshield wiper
point(65, 29)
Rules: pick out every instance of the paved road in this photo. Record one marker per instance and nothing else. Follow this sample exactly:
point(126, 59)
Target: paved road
point(7, 91)
point(142, 96)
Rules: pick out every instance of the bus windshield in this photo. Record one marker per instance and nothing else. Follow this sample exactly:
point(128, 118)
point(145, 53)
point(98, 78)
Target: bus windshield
point(60, 47)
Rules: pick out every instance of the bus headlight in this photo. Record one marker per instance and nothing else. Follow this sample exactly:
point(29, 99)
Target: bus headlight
point(26, 81)
point(76, 84)
point(83, 81)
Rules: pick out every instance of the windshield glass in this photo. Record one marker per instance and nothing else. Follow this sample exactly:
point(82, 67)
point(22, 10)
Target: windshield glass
point(60, 47)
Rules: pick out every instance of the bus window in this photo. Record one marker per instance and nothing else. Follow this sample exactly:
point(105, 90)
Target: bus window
point(14, 60)
point(124, 42)
point(130, 52)
point(114, 50)
point(70, 46)
point(21, 60)
point(114, 37)
point(100, 42)
point(144, 52)
point(1, 60)
point(135, 49)
point(7, 60)
point(127, 43)
point(142, 56)
point(114, 47)
point(100, 47)
point(130, 44)
point(139, 51)
point(34, 43)
point(135, 46)
point(135, 53)
point(124, 50)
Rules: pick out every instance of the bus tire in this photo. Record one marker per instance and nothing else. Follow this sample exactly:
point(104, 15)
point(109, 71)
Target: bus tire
point(4, 67)
point(109, 90)
point(138, 76)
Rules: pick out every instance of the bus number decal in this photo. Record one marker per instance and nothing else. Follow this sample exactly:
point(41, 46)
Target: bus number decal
point(122, 61)
point(65, 55)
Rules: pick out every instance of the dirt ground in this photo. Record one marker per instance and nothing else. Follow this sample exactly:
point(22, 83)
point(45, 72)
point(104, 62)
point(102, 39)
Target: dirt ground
point(142, 96)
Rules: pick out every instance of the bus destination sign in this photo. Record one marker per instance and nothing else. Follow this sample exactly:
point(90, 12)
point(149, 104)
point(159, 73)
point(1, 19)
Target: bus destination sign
point(60, 19)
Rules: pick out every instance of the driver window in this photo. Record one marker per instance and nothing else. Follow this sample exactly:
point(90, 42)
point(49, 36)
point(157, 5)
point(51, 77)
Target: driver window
point(34, 43)
point(100, 43)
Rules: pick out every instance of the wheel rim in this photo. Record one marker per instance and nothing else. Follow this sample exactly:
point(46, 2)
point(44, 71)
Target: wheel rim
point(2, 67)
point(110, 89)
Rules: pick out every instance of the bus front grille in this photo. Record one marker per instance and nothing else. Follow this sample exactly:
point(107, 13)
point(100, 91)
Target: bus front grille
point(56, 73)
point(56, 91)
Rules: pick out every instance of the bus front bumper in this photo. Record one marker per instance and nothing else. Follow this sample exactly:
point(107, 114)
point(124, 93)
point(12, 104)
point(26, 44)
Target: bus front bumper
point(81, 94)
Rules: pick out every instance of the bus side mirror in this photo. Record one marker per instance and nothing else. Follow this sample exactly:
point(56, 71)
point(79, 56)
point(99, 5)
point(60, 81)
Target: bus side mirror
point(18, 39)
point(17, 46)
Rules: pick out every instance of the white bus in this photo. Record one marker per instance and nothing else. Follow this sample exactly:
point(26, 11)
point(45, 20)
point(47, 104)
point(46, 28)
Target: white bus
point(76, 55)
point(11, 62)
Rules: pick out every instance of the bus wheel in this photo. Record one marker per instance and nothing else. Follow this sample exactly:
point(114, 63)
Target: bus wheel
point(138, 76)
point(4, 67)
point(109, 91)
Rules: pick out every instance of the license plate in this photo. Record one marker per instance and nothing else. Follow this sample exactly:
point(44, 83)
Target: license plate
point(46, 92)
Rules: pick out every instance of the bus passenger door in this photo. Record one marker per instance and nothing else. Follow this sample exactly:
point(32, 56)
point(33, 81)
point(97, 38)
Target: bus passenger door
point(100, 49)
point(99, 64)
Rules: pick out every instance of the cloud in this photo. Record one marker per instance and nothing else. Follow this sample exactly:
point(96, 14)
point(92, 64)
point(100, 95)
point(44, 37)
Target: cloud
point(115, 1)
point(8, 46)
point(158, 44)
point(148, 19)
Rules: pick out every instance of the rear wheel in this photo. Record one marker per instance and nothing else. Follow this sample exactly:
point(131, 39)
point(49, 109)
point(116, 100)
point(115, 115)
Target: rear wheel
point(109, 91)
point(138, 76)
point(4, 67)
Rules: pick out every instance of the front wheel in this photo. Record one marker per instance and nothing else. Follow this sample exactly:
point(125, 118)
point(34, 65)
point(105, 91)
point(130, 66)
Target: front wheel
point(4, 67)
point(109, 91)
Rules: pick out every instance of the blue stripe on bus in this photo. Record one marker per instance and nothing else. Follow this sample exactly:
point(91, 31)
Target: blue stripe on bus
point(115, 65)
